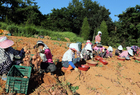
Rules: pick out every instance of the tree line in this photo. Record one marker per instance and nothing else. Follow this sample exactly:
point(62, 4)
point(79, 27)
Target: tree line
point(83, 18)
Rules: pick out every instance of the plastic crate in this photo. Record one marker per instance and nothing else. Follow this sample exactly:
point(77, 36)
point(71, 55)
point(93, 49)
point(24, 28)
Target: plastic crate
point(15, 81)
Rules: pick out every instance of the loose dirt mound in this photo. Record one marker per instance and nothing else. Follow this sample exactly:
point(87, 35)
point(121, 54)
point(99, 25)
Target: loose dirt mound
point(116, 78)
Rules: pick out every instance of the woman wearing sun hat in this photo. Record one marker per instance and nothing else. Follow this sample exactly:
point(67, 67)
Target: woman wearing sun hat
point(7, 54)
point(109, 52)
point(127, 54)
point(69, 60)
point(119, 50)
point(46, 56)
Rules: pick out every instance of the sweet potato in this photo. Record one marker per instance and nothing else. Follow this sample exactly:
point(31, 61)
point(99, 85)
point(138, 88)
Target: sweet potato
point(34, 57)
point(25, 77)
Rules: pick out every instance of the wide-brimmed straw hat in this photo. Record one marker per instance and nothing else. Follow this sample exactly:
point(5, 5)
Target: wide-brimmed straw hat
point(5, 43)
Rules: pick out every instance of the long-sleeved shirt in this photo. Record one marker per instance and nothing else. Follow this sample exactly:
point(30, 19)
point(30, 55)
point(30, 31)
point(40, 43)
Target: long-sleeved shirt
point(98, 38)
point(9, 53)
point(6, 58)
point(124, 54)
point(69, 56)
point(48, 56)
point(98, 48)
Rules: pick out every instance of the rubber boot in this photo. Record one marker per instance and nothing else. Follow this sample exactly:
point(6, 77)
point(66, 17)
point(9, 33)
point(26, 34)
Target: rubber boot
point(69, 68)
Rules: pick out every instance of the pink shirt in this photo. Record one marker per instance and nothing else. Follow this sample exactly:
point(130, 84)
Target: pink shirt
point(107, 52)
point(124, 53)
point(100, 48)
point(48, 56)
point(97, 38)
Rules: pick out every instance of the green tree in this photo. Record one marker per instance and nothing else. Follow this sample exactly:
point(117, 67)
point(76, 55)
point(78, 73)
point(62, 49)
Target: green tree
point(104, 30)
point(85, 30)
point(20, 12)
point(128, 26)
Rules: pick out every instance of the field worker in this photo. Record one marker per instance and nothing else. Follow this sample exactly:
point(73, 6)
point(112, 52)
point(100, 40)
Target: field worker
point(119, 50)
point(109, 52)
point(87, 52)
point(98, 37)
point(135, 49)
point(99, 49)
point(127, 54)
point(46, 56)
point(7, 55)
point(88, 42)
point(69, 60)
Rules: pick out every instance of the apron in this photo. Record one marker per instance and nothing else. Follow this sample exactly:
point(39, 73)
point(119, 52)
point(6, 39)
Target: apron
point(43, 56)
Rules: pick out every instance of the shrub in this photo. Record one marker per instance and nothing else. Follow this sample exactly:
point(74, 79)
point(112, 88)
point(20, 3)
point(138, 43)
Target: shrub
point(21, 31)
point(13, 29)
point(29, 31)
point(3, 25)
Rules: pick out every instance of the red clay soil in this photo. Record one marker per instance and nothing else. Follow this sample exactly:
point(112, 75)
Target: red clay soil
point(116, 78)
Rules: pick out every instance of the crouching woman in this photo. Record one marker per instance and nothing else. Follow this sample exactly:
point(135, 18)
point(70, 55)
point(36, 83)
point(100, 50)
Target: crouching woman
point(127, 54)
point(46, 56)
point(7, 54)
point(69, 60)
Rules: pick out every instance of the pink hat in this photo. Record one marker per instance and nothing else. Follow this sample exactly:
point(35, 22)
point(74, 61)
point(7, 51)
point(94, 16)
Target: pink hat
point(5, 43)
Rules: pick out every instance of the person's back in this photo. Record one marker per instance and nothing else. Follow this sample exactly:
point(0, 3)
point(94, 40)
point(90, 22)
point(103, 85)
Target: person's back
point(96, 48)
point(67, 55)
point(124, 54)
point(119, 50)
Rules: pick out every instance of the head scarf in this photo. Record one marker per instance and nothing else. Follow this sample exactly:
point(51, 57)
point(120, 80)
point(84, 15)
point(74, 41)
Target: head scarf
point(110, 49)
point(88, 47)
point(99, 32)
point(43, 56)
point(74, 46)
point(120, 47)
point(130, 51)
point(45, 46)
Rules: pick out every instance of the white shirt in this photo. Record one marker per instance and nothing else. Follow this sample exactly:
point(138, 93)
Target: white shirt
point(68, 55)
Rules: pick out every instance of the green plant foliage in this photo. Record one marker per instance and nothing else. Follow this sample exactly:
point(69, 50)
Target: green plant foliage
point(13, 29)
point(72, 88)
point(29, 31)
point(3, 25)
